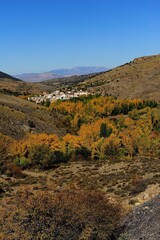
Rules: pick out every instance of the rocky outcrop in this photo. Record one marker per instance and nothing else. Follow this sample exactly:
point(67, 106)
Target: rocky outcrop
point(143, 223)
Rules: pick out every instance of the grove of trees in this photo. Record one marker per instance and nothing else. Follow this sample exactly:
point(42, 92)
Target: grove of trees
point(105, 129)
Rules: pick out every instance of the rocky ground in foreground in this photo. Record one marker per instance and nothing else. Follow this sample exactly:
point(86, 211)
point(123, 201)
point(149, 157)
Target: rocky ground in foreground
point(130, 181)
point(143, 222)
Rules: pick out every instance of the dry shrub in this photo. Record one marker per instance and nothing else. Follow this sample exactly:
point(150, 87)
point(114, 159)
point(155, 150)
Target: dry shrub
point(138, 185)
point(60, 216)
point(5, 145)
point(13, 170)
point(136, 179)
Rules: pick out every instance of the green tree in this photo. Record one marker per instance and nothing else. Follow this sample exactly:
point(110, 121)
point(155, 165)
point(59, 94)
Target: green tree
point(105, 130)
point(43, 157)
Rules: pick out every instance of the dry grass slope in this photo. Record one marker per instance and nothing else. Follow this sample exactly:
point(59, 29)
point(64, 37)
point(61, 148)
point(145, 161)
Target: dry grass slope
point(12, 87)
point(138, 78)
point(18, 116)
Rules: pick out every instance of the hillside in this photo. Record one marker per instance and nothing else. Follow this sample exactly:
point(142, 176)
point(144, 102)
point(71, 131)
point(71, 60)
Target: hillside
point(106, 150)
point(18, 116)
point(6, 76)
point(71, 81)
point(139, 78)
point(13, 86)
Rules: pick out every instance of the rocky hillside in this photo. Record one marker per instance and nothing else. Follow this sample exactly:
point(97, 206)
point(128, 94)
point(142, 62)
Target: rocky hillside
point(138, 78)
point(143, 222)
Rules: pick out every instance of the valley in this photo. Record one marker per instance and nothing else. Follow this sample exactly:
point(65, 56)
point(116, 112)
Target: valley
point(75, 153)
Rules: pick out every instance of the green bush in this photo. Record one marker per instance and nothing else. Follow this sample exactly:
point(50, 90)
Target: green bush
point(44, 157)
point(134, 114)
point(84, 152)
point(22, 162)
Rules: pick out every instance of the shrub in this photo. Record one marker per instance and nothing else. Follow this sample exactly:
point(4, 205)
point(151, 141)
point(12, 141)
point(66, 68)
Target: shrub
point(43, 157)
point(38, 154)
point(68, 215)
point(139, 187)
point(47, 103)
point(22, 162)
point(83, 152)
point(5, 146)
point(134, 114)
point(13, 170)
point(31, 124)
point(124, 236)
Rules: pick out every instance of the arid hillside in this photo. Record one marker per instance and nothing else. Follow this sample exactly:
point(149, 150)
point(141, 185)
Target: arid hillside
point(14, 86)
point(18, 116)
point(138, 78)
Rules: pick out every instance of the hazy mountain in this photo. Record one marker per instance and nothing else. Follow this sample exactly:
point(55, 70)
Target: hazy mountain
point(36, 77)
point(78, 71)
point(58, 73)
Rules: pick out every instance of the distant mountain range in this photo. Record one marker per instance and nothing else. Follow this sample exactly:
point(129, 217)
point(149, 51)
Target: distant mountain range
point(59, 73)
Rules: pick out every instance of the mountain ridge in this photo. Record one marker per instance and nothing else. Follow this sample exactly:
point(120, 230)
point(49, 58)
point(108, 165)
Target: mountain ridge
point(139, 78)
point(60, 73)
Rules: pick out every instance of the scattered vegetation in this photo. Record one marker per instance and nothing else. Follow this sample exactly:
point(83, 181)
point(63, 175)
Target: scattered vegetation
point(65, 215)
point(101, 146)
point(136, 79)
point(19, 117)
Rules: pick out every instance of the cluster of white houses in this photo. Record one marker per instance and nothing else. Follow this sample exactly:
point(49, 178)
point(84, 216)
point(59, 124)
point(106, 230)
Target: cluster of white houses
point(57, 95)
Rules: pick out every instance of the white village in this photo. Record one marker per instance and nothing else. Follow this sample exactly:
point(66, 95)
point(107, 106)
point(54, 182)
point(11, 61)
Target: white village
point(57, 95)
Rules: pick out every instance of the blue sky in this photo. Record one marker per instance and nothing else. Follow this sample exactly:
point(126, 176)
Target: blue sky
point(42, 35)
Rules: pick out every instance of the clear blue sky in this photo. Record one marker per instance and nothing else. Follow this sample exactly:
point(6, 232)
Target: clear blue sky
point(42, 35)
